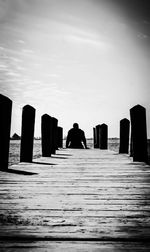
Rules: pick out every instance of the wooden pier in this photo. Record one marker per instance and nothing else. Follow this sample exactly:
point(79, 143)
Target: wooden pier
point(76, 200)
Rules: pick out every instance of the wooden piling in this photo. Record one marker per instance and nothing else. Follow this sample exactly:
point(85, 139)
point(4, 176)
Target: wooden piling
point(46, 135)
point(94, 137)
point(60, 137)
point(131, 144)
point(27, 133)
point(97, 145)
point(5, 124)
point(139, 133)
point(124, 136)
point(103, 137)
point(54, 135)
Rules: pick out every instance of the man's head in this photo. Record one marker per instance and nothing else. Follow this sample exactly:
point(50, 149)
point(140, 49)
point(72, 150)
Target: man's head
point(76, 126)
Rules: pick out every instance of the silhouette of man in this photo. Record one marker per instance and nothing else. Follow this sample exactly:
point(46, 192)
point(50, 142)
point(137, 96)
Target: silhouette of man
point(76, 138)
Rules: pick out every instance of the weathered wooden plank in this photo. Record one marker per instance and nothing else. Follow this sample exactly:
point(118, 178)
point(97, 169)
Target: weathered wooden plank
point(92, 207)
point(76, 212)
point(71, 231)
point(73, 199)
point(53, 222)
point(73, 246)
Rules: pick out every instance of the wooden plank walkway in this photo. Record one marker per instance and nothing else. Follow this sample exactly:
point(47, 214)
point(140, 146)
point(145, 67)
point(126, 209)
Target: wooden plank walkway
point(77, 200)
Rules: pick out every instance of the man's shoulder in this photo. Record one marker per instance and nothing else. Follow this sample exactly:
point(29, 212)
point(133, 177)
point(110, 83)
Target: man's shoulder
point(81, 131)
point(74, 130)
point(70, 130)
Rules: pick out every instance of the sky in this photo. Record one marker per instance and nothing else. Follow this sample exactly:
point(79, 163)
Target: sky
point(85, 61)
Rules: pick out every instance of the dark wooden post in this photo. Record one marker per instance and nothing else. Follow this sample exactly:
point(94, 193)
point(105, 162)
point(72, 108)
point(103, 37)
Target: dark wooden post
point(139, 133)
point(5, 124)
point(60, 137)
point(97, 136)
point(124, 136)
point(54, 135)
point(131, 144)
point(94, 137)
point(103, 136)
point(27, 134)
point(46, 134)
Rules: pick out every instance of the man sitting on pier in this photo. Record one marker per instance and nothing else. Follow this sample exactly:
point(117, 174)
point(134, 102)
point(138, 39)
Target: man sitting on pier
point(76, 138)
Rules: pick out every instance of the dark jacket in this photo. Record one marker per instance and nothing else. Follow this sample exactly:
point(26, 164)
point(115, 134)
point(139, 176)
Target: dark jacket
point(76, 139)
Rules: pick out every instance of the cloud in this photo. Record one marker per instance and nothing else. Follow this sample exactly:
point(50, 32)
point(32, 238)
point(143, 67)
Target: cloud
point(87, 40)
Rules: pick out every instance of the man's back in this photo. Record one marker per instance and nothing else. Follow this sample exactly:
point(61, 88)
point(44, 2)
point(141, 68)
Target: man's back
point(76, 138)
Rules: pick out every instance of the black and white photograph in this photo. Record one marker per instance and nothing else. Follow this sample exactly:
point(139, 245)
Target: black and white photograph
point(74, 125)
